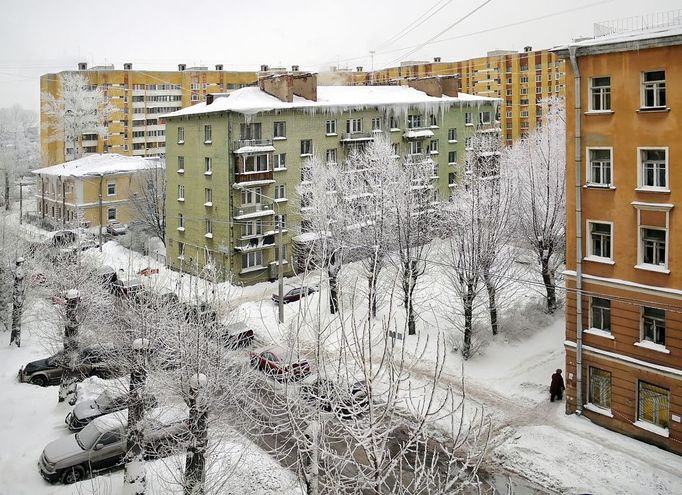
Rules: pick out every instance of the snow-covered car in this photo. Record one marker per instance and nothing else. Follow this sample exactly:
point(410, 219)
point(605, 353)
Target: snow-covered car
point(294, 294)
point(88, 410)
point(126, 287)
point(236, 335)
point(280, 363)
point(332, 397)
point(116, 228)
point(63, 238)
point(102, 444)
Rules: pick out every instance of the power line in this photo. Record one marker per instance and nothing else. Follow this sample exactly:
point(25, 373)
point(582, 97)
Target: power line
point(415, 24)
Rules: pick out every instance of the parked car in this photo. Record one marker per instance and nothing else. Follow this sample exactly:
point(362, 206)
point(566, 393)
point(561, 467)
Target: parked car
point(280, 363)
point(63, 238)
point(114, 227)
point(98, 360)
point(86, 244)
point(102, 444)
point(155, 300)
point(236, 335)
point(332, 397)
point(126, 287)
point(107, 275)
point(294, 294)
point(105, 403)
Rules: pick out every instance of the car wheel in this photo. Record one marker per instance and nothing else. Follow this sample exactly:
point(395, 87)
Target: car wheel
point(73, 475)
point(39, 380)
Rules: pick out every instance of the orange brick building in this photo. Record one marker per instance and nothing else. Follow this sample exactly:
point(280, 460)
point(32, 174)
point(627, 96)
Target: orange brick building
point(624, 233)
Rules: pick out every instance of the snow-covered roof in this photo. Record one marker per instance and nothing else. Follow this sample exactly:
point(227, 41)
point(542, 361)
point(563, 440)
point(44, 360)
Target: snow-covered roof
point(632, 40)
point(252, 100)
point(100, 164)
point(254, 149)
point(411, 133)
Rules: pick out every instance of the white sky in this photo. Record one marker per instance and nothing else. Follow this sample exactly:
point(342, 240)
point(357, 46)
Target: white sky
point(40, 36)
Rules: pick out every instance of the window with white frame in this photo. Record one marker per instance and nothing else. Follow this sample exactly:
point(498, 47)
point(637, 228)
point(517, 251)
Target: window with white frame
point(538, 90)
point(433, 120)
point(209, 227)
point(414, 121)
point(485, 117)
point(433, 146)
point(181, 192)
point(306, 147)
point(600, 313)
point(509, 115)
point(181, 221)
point(208, 134)
point(396, 149)
point(330, 127)
point(331, 155)
point(181, 250)
point(111, 213)
point(600, 239)
point(538, 77)
point(509, 92)
point(452, 135)
point(653, 168)
point(208, 166)
point(111, 188)
point(468, 119)
point(653, 404)
point(353, 125)
point(181, 135)
point(415, 147)
point(600, 94)
point(252, 260)
point(599, 166)
point(253, 227)
point(252, 196)
point(256, 164)
point(524, 114)
point(524, 91)
point(452, 157)
point(279, 130)
point(599, 390)
point(654, 245)
point(208, 196)
point(280, 191)
point(653, 325)
point(376, 123)
point(653, 89)
point(195, 97)
point(394, 123)
point(280, 161)
point(524, 79)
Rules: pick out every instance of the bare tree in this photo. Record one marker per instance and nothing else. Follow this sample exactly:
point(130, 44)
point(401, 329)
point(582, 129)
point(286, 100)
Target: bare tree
point(78, 109)
point(17, 302)
point(540, 162)
point(18, 147)
point(149, 198)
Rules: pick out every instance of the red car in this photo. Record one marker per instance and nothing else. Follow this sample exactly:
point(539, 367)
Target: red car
point(280, 363)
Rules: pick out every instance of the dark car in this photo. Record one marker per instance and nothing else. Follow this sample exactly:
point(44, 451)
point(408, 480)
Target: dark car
point(107, 275)
point(126, 287)
point(332, 397)
point(236, 335)
point(280, 363)
point(157, 301)
point(294, 294)
point(92, 361)
point(105, 403)
point(63, 238)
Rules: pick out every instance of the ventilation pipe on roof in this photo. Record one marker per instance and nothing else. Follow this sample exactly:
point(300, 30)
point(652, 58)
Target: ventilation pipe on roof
point(82, 66)
point(527, 48)
point(127, 66)
point(436, 59)
point(359, 68)
point(264, 68)
point(182, 67)
point(294, 68)
point(219, 67)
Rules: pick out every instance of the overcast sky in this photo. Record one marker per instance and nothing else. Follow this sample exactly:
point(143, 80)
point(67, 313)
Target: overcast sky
point(38, 37)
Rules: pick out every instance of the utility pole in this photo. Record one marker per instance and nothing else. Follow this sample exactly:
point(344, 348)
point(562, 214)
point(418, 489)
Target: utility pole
point(21, 202)
point(280, 267)
point(101, 178)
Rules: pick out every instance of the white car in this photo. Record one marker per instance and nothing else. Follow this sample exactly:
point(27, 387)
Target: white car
point(115, 228)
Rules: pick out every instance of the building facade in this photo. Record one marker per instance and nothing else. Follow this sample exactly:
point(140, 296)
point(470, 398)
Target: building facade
point(520, 79)
point(140, 97)
point(234, 162)
point(69, 193)
point(623, 229)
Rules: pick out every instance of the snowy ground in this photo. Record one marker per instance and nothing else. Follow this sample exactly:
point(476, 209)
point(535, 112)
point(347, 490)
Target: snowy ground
point(509, 379)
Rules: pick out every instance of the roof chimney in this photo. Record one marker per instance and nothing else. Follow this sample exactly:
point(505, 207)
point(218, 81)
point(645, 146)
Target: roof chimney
point(182, 67)
point(82, 66)
point(436, 59)
point(209, 98)
point(294, 68)
point(127, 66)
point(528, 48)
point(359, 68)
point(264, 68)
point(219, 67)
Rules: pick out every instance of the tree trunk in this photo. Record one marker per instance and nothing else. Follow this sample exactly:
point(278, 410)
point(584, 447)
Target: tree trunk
point(313, 464)
point(17, 304)
point(548, 279)
point(409, 284)
point(134, 476)
point(7, 190)
point(333, 295)
point(195, 462)
point(468, 302)
point(492, 303)
point(372, 282)
point(67, 387)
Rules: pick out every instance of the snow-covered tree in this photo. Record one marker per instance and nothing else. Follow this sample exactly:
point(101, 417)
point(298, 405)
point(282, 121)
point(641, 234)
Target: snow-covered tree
point(18, 146)
point(149, 200)
point(78, 109)
point(539, 160)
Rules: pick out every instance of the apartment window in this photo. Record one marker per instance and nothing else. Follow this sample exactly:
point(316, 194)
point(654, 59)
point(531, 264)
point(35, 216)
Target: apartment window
point(600, 94)
point(281, 161)
point(414, 121)
point(194, 86)
point(252, 260)
point(306, 147)
point(111, 214)
point(599, 171)
point(353, 125)
point(181, 164)
point(376, 123)
point(549, 76)
point(195, 97)
point(250, 131)
point(257, 163)
point(396, 149)
point(208, 134)
point(208, 197)
point(181, 250)
point(280, 191)
point(653, 325)
point(433, 120)
point(111, 188)
point(330, 127)
point(523, 101)
point(485, 117)
point(538, 77)
point(468, 143)
point(251, 196)
point(331, 155)
point(281, 221)
point(509, 92)
point(653, 168)
point(524, 91)
point(415, 147)
point(538, 90)
point(433, 146)
point(452, 135)
point(208, 165)
point(509, 115)
point(653, 89)
point(284, 253)
point(254, 227)
point(509, 79)
point(524, 68)
point(279, 130)
point(452, 157)
point(653, 246)
point(524, 114)
point(600, 239)
point(599, 393)
point(600, 314)
point(653, 404)
point(181, 192)
point(468, 118)
point(181, 135)
point(209, 228)
point(394, 123)
point(181, 222)
point(524, 79)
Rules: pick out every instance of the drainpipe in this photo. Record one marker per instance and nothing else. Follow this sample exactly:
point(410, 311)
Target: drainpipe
point(578, 239)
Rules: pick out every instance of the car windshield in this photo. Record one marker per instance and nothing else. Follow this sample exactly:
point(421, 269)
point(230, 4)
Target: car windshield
point(87, 437)
point(103, 400)
point(53, 360)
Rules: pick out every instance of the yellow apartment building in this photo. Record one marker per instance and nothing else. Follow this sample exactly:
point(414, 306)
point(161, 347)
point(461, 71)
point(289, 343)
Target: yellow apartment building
point(140, 97)
point(623, 229)
point(70, 192)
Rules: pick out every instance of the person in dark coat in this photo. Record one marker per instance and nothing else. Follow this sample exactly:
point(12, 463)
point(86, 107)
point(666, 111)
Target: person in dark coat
point(556, 389)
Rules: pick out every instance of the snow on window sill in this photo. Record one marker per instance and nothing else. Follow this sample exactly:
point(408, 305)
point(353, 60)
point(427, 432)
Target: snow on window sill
point(434, 127)
point(181, 229)
point(469, 124)
point(306, 155)
point(376, 131)
point(647, 344)
point(599, 259)
point(596, 185)
point(652, 268)
point(208, 203)
point(181, 170)
point(208, 235)
point(653, 109)
point(599, 112)
point(599, 410)
point(208, 173)
point(395, 129)
point(181, 258)
point(279, 138)
point(208, 142)
point(330, 134)
point(452, 141)
point(599, 333)
point(281, 200)
point(452, 164)
point(652, 189)
point(181, 142)
point(182, 200)
point(434, 152)
point(664, 432)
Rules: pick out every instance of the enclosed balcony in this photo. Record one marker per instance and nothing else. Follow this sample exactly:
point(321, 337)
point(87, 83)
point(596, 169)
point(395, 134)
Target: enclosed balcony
point(254, 169)
point(252, 211)
point(354, 137)
point(252, 146)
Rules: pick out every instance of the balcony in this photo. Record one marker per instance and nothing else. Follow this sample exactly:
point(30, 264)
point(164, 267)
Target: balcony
point(350, 137)
point(418, 133)
point(252, 211)
point(243, 146)
point(254, 178)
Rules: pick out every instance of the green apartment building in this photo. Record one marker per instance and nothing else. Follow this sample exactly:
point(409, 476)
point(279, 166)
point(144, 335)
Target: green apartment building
point(234, 162)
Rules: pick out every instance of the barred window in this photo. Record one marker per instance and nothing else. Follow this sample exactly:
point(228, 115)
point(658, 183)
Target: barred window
point(653, 404)
point(600, 388)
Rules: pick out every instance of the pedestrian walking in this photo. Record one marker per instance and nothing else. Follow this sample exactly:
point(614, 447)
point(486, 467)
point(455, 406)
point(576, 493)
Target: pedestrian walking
point(556, 389)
